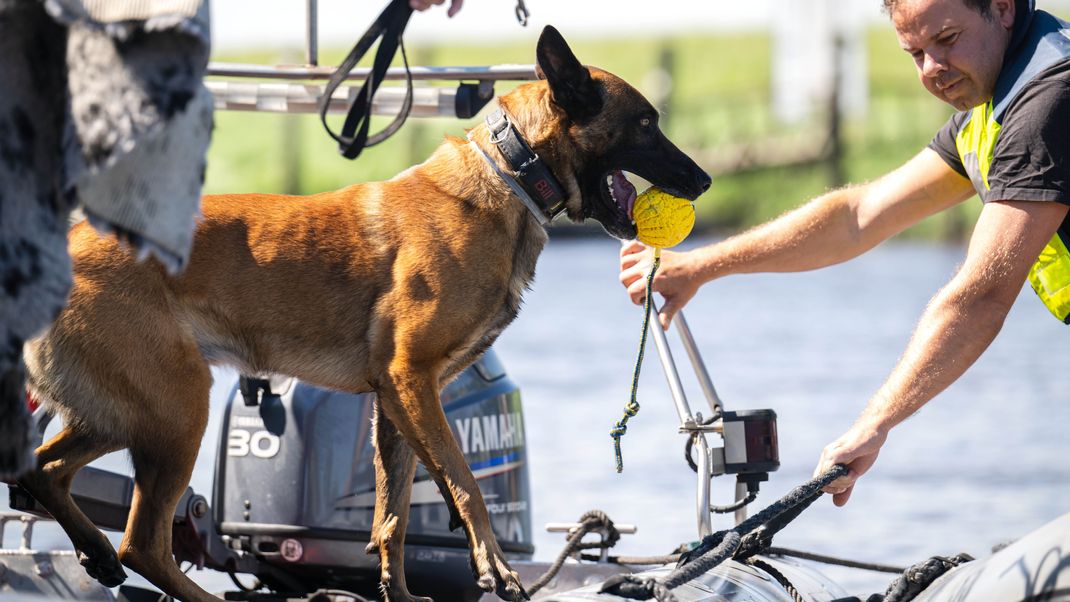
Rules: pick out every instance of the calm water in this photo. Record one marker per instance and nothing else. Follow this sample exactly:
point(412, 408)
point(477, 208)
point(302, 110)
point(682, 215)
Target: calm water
point(984, 463)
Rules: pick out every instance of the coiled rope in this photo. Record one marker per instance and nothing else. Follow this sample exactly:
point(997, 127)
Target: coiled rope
point(590, 522)
point(916, 579)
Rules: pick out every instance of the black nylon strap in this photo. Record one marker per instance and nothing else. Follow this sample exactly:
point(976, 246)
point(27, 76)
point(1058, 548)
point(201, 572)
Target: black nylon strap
point(531, 172)
point(389, 25)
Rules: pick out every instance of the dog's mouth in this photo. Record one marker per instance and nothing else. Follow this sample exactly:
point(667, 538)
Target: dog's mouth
point(622, 192)
point(613, 203)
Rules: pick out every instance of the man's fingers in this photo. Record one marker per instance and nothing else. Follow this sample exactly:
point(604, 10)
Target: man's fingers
point(628, 276)
point(631, 260)
point(634, 265)
point(841, 498)
point(637, 291)
point(455, 8)
point(665, 319)
point(668, 310)
point(858, 449)
point(634, 278)
point(840, 485)
point(630, 247)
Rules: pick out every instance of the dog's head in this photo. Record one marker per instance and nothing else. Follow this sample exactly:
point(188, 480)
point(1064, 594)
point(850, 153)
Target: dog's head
point(590, 126)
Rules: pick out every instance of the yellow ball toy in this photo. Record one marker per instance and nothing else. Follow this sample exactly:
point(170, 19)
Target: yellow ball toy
point(662, 220)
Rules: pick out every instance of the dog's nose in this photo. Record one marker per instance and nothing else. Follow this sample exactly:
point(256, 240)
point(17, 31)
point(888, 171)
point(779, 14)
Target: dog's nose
point(704, 181)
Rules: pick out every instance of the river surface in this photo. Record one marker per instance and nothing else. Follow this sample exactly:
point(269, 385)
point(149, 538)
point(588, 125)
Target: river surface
point(982, 464)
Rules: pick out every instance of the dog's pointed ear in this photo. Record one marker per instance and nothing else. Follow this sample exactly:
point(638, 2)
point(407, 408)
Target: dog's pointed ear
point(571, 84)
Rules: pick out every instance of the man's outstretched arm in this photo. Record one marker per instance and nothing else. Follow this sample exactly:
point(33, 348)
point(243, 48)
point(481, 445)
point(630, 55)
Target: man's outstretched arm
point(957, 326)
point(830, 229)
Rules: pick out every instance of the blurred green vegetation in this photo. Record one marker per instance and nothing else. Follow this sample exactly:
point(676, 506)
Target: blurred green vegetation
point(720, 95)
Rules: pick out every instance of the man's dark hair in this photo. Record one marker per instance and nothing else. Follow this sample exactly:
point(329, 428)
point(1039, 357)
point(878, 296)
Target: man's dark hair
point(982, 6)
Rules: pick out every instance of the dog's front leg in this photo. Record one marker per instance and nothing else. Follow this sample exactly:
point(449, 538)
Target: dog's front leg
point(395, 466)
point(416, 411)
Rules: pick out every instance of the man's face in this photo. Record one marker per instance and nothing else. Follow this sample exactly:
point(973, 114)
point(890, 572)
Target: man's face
point(957, 51)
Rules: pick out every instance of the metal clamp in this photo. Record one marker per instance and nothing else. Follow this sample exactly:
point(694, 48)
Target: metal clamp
point(571, 528)
point(696, 425)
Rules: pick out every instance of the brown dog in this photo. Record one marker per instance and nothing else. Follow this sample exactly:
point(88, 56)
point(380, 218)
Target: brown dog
point(399, 286)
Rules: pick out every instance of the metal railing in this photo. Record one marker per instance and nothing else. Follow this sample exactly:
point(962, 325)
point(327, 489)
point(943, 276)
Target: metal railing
point(27, 521)
point(749, 447)
point(258, 87)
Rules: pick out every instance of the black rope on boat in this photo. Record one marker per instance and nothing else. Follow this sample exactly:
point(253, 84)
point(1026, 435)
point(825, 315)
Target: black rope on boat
point(915, 579)
point(736, 505)
point(691, 441)
point(590, 522)
point(780, 578)
point(638, 560)
point(741, 542)
point(644, 588)
point(854, 564)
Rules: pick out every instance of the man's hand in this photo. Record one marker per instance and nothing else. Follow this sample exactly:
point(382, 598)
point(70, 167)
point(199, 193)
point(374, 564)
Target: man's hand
point(455, 5)
point(858, 449)
point(676, 279)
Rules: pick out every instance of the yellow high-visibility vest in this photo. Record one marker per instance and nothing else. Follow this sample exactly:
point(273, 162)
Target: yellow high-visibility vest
point(976, 141)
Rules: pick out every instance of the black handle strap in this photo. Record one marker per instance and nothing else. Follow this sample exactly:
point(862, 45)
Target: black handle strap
point(354, 135)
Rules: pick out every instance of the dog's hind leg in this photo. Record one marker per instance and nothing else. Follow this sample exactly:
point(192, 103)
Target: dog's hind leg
point(416, 411)
point(395, 465)
point(163, 463)
point(50, 484)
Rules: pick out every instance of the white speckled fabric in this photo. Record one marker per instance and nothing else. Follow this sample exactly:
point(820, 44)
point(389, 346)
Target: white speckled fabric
point(102, 105)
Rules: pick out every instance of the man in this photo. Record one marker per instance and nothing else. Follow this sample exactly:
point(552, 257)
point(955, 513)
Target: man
point(1006, 67)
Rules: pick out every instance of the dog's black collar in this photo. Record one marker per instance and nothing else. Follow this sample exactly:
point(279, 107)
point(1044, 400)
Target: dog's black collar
point(530, 172)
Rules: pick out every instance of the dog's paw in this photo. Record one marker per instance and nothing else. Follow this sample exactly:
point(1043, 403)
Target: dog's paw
point(509, 587)
point(487, 583)
point(105, 568)
point(501, 580)
point(372, 548)
point(512, 591)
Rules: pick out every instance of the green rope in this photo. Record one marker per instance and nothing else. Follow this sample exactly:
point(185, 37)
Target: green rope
point(632, 408)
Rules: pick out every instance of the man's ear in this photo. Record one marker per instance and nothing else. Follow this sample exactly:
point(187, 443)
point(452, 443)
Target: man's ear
point(571, 84)
point(1004, 12)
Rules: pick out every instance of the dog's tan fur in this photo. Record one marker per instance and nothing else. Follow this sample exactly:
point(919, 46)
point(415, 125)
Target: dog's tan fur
point(392, 287)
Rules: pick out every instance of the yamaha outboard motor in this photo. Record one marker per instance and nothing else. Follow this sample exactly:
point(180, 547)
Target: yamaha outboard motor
point(295, 484)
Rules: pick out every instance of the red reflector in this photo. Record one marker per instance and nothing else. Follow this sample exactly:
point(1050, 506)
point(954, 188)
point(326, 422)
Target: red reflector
point(32, 402)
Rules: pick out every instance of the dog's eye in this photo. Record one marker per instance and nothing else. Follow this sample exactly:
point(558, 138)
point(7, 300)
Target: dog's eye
point(645, 122)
